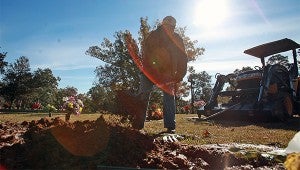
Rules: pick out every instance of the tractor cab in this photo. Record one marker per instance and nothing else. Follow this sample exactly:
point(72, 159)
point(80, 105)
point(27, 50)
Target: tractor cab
point(269, 91)
point(284, 78)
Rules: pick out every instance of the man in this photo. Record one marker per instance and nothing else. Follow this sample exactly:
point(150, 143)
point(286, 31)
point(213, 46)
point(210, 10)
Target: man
point(164, 63)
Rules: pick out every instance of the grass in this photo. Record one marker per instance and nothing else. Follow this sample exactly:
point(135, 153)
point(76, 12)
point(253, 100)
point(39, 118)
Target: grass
point(20, 117)
point(198, 132)
point(195, 132)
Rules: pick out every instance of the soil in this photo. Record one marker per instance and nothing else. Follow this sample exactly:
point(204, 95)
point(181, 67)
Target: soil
point(102, 144)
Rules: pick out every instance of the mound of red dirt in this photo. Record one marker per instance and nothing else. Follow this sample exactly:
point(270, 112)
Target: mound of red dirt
point(103, 144)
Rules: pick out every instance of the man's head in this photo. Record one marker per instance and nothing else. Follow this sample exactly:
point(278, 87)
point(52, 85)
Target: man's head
point(169, 20)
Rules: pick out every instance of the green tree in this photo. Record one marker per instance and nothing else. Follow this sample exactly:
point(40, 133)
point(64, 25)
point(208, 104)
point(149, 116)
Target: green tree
point(44, 87)
point(193, 52)
point(3, 63)
point(17, 81)
point(119, 71)
point(200, 84)
point(102, 98)
point(244, 69)
point(182, 90)
point(279, 59)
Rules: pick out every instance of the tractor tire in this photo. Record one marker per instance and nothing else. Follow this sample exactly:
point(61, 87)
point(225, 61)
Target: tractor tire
point(283, 107)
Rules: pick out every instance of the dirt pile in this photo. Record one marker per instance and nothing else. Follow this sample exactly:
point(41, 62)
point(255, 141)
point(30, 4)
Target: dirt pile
point(101, 144)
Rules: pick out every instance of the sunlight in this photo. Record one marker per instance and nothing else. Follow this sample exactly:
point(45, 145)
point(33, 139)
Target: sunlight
point(210, 13)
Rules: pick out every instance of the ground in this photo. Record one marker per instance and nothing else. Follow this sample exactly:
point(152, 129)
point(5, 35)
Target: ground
point(110, 142)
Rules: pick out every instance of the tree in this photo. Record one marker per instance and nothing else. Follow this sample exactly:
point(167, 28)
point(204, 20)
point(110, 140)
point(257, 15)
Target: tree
point(17, 81)
point(3, 63)
point(193, 52)
point(119, 71)
point(238, 71)
point(279, 59)
point(200, 83)
point(44, 86)
point(181, 93)
point(102, 98)
point(200, 86)
point(182, 90)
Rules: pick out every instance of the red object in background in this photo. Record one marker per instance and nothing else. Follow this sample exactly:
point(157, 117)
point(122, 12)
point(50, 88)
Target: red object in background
point(186, 107)
point(36, 105)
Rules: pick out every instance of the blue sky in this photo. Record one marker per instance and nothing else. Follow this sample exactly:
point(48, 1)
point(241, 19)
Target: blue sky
point(56, 33)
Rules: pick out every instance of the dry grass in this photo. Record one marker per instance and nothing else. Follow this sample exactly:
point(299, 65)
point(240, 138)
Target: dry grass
point(199, 132)
point(204, 132)
point(20, 117)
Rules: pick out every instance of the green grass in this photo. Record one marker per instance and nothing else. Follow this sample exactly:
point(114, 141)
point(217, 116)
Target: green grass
point(278, 134)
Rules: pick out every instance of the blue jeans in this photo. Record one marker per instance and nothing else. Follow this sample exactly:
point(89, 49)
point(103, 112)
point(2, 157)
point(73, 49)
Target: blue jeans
point(169, 105)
